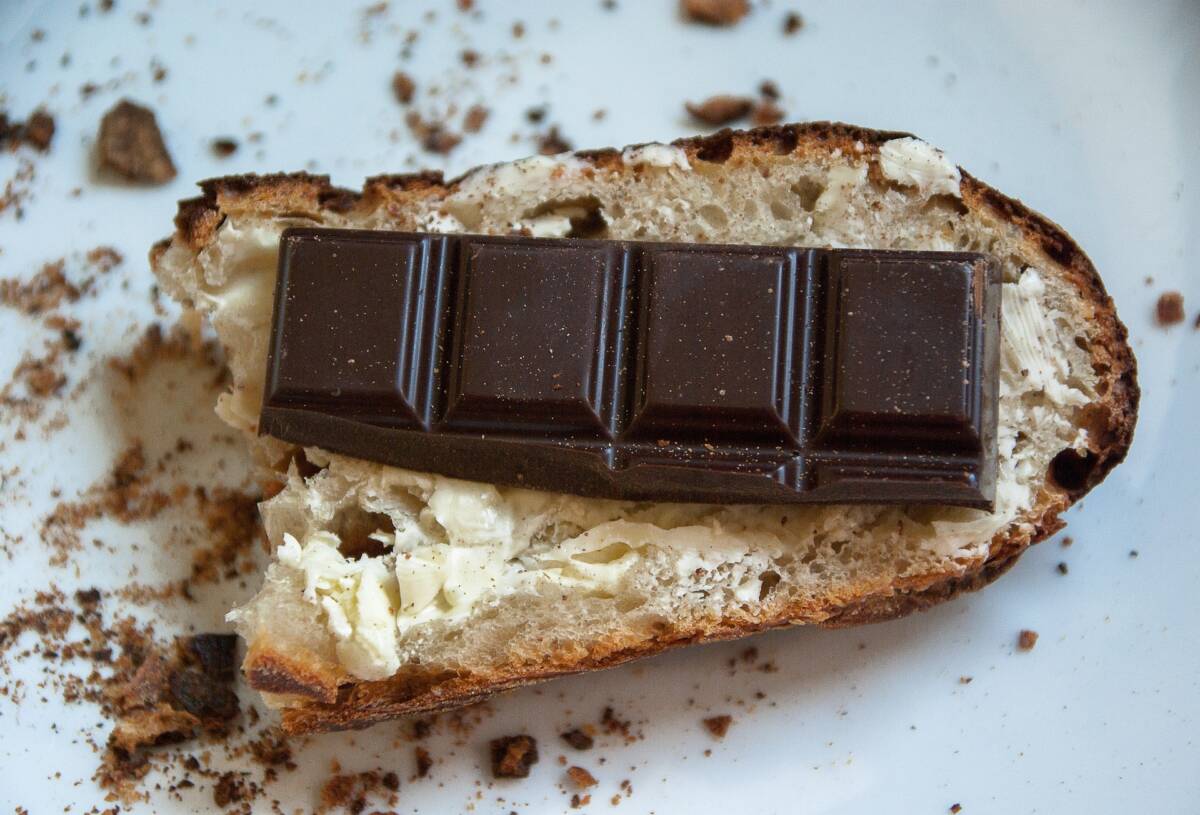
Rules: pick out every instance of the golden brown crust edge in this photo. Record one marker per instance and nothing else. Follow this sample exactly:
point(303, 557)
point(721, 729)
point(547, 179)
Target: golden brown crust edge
point(317, 703)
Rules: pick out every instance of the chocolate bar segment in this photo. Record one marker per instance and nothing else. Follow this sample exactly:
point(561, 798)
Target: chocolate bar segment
point(642, 371)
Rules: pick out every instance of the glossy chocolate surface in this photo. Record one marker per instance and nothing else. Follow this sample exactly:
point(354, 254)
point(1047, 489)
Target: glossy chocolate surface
point(645, 371)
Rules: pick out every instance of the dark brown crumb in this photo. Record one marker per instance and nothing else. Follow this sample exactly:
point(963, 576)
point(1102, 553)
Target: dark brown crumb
point(552, 143)
point(1067, 541)
point(1062, 568)
point(579, 739)
point(433, 136)
point(224, 147)
point(131, 145)
point(1169, 309)
point(535, 115)
point(1026, 640)
point(469, 57)
point(403, 87)
point(465, 5)
point(518, 30)
point(390, 781)
point(766, 113)
point(350, 791)
point(424, 761)
point(581, 777)
point(716, 12)
point(1133, 552)
point(965, 680)
point(230, 789)
point(720, 110)
point(792, 23)
point(474, 119)
point(768, 90)
point(578, 800)
point(37, 131)
point(512, 756)
point(718, 726)
point(956, 808)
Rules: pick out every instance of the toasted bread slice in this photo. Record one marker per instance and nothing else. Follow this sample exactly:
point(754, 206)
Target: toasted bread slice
point(395, 592)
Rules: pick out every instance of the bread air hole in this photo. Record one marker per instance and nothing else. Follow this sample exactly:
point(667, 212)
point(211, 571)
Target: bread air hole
point(769, 580)
point(808, 190)
point(1072, 471)
point(586, 215)
point(714, 216)
point(354, 526)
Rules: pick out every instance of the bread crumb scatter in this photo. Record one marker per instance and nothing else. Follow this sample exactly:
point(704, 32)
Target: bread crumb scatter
point(1027, 639)
point(716, 12)
point(720, 110)
point(350, 792)
point(1169, 309)
point(131, 145)
point(718, 726)
point(512, 756)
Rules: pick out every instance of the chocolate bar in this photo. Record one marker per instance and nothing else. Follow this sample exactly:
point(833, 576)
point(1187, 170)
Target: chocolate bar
point(642, 371)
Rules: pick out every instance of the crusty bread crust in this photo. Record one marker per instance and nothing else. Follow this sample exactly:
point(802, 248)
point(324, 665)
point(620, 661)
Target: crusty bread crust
point(317, 702)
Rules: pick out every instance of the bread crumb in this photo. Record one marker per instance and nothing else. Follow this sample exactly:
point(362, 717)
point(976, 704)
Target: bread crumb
point(1026, 640)
point(131, 145)
point(766, 113)
point(581, 777)
point(224, 147)
point(424, 762)
point(37, 131)
point(551, 143)
point(1169, 309)
point(403, 87)
point(1062, 568)
point(956, 808)
point(720, 110)
point(718, 726)
point(965, 680)
point(792, 23)
point(716, 12)
point(475, 119)
point(512, 756)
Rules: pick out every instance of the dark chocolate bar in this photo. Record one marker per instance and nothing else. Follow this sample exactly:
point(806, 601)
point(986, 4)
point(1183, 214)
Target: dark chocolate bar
point(643, 371)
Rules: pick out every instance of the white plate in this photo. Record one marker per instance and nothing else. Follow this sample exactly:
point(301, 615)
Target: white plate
point(1086, 111)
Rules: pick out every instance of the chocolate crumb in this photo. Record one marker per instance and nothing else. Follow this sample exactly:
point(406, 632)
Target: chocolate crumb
point(131, 145)
point(716, 12)
point(1133, 552)
point(956, 808)
point(1169, 309)
point(230, 789)
point(720, 110)
point(581, 777)
point(512, 756)
point(718, 726)
point(792, 23)
point(224, 147)
point(578, 739)
point(1026, 640)
point(403, 87)
point(390, 781)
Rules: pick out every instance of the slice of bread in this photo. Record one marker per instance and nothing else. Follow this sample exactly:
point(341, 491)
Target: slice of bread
point(394, 592)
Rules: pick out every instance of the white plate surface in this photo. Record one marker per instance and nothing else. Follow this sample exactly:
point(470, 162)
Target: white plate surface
point(1088, 112)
